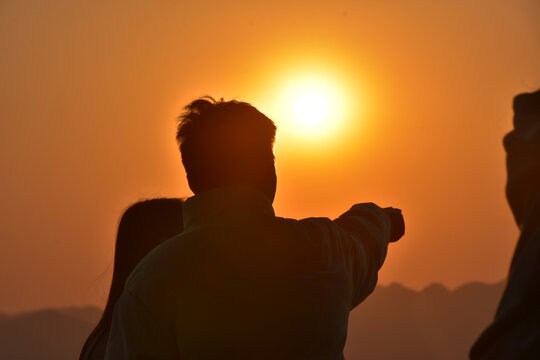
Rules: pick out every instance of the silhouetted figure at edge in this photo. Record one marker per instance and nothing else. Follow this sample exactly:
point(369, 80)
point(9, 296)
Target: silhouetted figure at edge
point(239, 282)
point(515, 332)
point(143, 226)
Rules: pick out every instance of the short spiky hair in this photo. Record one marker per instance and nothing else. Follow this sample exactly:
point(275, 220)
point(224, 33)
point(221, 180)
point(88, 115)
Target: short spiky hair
point(224, 142)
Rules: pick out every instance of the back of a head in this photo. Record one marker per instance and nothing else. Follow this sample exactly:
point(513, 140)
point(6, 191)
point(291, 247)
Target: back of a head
point(227, 143)
point(143, 226)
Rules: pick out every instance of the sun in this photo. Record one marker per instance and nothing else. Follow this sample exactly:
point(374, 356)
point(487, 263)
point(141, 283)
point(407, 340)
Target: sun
point(311, 108)
point(310, 104)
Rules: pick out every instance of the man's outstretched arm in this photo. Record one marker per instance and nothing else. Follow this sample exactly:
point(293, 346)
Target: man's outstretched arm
point(368, 230)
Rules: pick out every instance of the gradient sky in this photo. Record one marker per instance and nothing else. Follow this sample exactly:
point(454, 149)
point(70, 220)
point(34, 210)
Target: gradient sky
point(90, 90)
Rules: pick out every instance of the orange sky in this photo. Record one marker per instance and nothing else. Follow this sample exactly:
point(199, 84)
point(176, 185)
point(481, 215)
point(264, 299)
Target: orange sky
point(90, 91)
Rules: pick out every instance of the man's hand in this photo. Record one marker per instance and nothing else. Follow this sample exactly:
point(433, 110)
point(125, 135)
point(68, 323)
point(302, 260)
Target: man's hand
point(398, 224)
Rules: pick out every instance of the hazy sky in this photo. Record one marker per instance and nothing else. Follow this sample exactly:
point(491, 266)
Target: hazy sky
point(422, 96)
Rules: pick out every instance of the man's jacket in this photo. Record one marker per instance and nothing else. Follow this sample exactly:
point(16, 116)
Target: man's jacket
point(241, 283)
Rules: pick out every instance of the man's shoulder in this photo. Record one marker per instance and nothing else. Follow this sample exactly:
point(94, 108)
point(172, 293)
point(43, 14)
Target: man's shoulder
point(314, 219)
point(284, 221)
point(311, 226)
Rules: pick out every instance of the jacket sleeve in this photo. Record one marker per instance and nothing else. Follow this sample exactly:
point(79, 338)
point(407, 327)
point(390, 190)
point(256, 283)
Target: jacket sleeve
point(136, 334)
point(366, 231)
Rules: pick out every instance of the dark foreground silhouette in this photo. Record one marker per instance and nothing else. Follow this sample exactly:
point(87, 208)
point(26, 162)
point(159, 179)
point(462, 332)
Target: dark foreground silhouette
point(142, 226)
point(240, 282)
point(515, 332)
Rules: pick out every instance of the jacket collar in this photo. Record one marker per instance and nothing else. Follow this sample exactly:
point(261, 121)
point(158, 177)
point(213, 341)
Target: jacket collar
point(225, 202)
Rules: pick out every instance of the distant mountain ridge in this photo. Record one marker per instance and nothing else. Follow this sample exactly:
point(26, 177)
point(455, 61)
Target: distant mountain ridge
point(48, 334)
point(435, 323)
point(393, 323)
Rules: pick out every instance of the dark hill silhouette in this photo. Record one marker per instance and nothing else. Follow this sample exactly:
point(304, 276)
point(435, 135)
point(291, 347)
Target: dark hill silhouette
point(89, 314)
point(393, 323)
point(435, 323)
point(48, 334)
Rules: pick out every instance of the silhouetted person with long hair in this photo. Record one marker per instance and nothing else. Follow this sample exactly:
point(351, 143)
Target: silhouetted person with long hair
point(143, 226)
point(239, 282)
point(515, 332)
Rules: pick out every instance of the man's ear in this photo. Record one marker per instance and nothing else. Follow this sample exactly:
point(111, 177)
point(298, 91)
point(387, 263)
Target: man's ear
point(272, 181)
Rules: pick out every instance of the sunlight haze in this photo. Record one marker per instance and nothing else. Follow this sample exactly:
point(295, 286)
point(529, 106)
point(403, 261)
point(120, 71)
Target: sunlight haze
point(418, 98)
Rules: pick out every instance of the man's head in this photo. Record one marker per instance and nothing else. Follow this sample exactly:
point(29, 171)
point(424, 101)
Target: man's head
point(227, 143)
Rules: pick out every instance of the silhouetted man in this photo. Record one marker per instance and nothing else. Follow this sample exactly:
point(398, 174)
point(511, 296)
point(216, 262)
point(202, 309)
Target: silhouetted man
point(515, 333)
point(239, 282)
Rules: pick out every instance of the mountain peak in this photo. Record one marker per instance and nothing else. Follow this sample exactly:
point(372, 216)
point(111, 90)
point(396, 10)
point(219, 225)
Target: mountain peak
point(436, 289)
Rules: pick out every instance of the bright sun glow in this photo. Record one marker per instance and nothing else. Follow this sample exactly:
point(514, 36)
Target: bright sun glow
point(311, 108)
point(312, 104)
